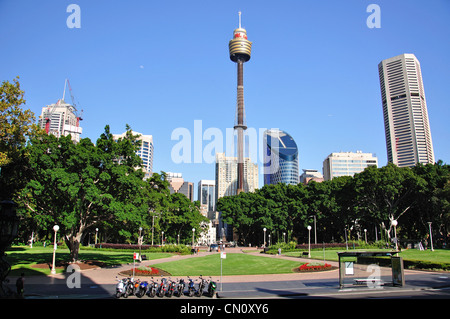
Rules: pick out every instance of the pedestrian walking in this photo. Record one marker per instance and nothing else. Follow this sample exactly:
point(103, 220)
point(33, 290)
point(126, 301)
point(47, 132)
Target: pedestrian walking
point(20, 282)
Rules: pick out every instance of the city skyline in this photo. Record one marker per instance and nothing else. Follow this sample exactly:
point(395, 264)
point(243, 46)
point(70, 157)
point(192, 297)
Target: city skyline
point(328, 83)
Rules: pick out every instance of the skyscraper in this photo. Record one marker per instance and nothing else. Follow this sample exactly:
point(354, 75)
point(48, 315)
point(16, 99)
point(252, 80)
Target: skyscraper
point(280, 158)
point(178, 185)
point(407, 128)
point(240, 50)
point(227, 175)
point(207, 197)
point(61, 118)
point(145, 152)
point(347, 164)
point(227, 184)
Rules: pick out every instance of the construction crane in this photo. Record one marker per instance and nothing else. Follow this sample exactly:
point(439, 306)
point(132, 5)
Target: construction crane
point(79, 116)
point(51, 108)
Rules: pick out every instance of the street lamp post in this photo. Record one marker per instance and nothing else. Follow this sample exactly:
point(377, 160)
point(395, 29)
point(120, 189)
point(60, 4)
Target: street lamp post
point(395, 223)
point(284, 237)
point(309, 241)
point(315, 229)
point(140, 242)
point(55, 228)
point(269, 240)
point(365, 234)
point(193, 232)
point(96, 233)
point(431, 236)
point(264, 229)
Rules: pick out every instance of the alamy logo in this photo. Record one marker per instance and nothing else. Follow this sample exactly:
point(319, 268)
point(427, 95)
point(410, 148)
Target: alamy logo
point(74, 19)
point(374, 20)
point(74, 279)
point(190, 148)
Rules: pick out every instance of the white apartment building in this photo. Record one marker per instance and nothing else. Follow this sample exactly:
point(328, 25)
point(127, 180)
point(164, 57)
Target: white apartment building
point(407, 128)
point(347, 164)
point(145, 152)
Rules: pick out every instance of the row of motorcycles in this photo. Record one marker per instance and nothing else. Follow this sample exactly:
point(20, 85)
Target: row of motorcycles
point(165, 288)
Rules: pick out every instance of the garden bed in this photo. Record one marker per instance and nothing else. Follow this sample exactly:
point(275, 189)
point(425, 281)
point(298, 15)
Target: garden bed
point(312, 267)
point(144, 271)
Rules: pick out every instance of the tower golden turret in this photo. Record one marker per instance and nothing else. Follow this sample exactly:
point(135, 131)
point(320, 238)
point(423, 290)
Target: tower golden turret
point(240, 47)
point(240, 51)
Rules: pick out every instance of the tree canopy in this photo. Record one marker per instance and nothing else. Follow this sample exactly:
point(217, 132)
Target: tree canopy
point(346, 205)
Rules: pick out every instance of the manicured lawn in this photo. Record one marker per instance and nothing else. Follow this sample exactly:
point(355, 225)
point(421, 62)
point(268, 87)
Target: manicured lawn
point(23, 258)
point(234, 264)
point(438, 255)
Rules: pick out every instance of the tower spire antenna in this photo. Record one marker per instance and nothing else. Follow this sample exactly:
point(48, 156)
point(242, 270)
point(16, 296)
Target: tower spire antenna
point(239, 19)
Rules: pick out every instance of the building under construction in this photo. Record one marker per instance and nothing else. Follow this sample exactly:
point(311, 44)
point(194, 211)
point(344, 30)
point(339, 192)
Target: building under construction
point(61, 118)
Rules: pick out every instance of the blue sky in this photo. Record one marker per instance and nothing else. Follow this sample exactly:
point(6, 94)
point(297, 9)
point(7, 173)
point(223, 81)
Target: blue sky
point(161, 65)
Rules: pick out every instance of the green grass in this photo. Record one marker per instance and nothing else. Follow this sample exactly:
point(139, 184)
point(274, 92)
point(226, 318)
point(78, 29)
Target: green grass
point(411, 257)
point(22, 258)
point(234, 264)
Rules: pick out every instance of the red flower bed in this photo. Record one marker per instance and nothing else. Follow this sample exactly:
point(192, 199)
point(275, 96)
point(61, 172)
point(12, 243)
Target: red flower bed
point(148, 271)
point(313, 267)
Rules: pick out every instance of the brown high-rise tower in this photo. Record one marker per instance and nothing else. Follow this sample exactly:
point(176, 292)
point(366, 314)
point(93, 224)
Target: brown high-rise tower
point(240, 50)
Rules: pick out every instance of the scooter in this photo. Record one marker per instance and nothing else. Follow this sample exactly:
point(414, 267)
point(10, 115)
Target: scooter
point(142, 289)
point(191, 287)
point(121, 288)
point(201, 286)
point(212, 286)
point(180, 287)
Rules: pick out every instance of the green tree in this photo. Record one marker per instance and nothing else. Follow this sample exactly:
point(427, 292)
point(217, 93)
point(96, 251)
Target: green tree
point(16, 127)
point(82, 185)
point(386, 194)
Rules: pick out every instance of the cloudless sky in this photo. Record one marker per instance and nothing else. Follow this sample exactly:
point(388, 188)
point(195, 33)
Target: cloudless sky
point(161, 65)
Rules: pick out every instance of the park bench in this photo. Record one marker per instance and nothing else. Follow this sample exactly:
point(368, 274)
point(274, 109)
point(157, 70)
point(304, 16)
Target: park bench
point(364, 281)
point(305, 253)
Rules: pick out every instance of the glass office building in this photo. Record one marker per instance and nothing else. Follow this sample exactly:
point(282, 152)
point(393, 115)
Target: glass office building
point(280, 158)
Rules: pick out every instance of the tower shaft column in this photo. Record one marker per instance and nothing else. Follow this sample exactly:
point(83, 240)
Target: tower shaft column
point(240, 125)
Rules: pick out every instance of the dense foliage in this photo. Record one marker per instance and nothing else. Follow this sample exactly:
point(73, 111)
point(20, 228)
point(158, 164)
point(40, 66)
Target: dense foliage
point(346, 206)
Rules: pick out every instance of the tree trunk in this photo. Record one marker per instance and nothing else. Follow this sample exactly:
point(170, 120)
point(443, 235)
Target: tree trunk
point(73, 243)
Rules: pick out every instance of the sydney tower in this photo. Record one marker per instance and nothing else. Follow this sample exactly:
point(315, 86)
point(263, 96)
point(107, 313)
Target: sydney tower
point(240, 50)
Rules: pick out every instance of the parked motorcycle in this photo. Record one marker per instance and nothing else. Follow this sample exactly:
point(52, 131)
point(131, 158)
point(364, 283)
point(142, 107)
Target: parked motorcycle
point(201, 286)
point(162, 289)
point(142, 289)
point(212, 286)
point(152, 289)
point(180, 287)
point(171, 285)
point(191, 287)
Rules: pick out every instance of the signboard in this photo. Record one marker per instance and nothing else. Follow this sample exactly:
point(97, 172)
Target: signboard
point(349, 268)
point(397, 271)
point(223, 255)
point(136, 256)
